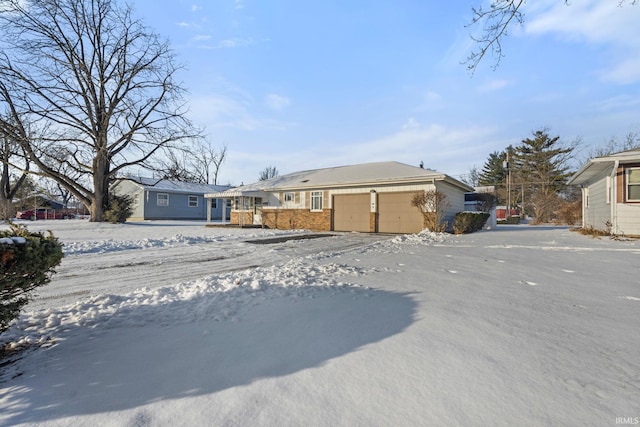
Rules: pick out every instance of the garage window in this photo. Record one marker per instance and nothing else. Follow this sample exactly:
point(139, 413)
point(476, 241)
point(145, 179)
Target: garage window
point(316, 200)
point(193, 201)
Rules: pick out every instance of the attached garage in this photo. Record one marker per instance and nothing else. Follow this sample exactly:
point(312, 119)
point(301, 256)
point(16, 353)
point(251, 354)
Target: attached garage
point(367, 198)
point(351, 212)
point(396, 215)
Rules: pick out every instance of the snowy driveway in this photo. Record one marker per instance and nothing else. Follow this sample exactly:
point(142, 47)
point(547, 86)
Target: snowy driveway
point(532, 326)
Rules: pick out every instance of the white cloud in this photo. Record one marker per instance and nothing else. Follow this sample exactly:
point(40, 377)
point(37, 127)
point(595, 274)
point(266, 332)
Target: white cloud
point(277, 102)
point(595, 22)
point(411, 123)
point(494, 85)
point(195, 8)
point(233, 43)
point(444, 149)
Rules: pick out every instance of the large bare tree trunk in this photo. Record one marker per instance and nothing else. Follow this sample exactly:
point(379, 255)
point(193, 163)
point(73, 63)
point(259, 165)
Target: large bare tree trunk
point(101, 85)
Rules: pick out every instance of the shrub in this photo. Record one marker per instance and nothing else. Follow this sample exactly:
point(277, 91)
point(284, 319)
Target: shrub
point(468, 222)
point(432, 205)
point(510, 220)
point(120, 208)
point(27, 261)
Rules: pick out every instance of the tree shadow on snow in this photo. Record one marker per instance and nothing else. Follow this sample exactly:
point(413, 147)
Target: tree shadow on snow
point(126, 367)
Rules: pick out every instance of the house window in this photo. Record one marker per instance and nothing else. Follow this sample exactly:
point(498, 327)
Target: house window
point(633, 185)
point(163, 199)
point(316, 200)
point(214, 203)
point(289, 197)
point(193, 201)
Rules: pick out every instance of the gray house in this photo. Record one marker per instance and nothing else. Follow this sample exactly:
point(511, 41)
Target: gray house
point(155, 198)
point(611, 192)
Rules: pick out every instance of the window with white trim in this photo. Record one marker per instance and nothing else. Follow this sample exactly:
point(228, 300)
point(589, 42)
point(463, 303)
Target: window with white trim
point(163, 199)
point(214, 203)
point(193, 201)
point(316, 200)
point(633, 184)
point(289, 197)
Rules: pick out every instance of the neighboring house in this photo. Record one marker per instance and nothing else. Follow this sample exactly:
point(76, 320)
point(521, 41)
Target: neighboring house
point(372, 197)
point(165, 199)
point(611, 192)
point(483, 199)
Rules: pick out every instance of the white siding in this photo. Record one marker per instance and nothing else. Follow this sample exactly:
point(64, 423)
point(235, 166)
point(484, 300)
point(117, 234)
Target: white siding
point(598, 211)
point(455, 199)
point(628, 219)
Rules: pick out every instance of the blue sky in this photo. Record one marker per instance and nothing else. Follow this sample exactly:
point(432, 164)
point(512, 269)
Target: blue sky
point(305, 84)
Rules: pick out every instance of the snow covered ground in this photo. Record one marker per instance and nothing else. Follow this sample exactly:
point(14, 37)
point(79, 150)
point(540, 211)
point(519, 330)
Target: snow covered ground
point(172, 323)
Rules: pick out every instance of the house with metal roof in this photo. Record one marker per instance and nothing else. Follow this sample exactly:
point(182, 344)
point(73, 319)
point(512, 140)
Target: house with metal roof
point(371, 197)
point(610, 187)
point(155, 198)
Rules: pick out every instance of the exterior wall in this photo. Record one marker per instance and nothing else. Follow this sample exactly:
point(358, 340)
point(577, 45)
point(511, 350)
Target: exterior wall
point(247, 217)
point(296, 214)
point(455, 199)
point(137, 194)
point(596, 211)
point(178, 207)
point(628, 219)
point(293, 219)
point(145, 204)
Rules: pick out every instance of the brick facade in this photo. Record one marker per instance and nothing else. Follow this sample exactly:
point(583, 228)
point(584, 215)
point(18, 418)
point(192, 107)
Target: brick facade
point(236, 215)
point(292, 219)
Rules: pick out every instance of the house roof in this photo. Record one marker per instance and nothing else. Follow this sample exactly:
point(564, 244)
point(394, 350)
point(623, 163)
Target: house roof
point(171, 186)
point(367, 174)
point(597, 166)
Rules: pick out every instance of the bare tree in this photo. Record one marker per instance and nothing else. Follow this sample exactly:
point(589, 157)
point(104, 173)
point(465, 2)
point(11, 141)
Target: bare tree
point(11, 178)
point(208, 160)
point(200, 163)
point(432, 205)
point(629, 142)
point(99, 81)
point(268, 173)
point(495, 22)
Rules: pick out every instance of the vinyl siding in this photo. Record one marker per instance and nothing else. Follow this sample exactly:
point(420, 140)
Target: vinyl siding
point(628, 219)
point(598, 211)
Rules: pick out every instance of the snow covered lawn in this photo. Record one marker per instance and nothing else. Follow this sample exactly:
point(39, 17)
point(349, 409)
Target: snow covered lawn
point(172, 323)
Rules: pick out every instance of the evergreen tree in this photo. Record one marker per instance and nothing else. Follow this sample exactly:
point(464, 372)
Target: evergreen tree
point(540, 171)
point(493, 171)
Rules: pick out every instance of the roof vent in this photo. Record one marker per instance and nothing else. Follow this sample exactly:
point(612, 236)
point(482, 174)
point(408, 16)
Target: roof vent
point(305, 180)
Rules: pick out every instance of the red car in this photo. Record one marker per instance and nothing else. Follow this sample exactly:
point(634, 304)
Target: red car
point(43, 214)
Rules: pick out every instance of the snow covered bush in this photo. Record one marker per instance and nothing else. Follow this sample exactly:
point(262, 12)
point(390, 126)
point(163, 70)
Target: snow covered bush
point(468, 222)
point(27, 260)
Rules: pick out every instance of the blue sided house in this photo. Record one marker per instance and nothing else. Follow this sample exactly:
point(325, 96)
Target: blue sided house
point(156, 199)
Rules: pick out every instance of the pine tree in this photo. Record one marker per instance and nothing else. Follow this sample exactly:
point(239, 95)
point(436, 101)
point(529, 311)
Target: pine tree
point(495, 174)
point(540, 166)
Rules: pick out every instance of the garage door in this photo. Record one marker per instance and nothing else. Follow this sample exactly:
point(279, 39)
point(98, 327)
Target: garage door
point(351, 212)
point(397, 215)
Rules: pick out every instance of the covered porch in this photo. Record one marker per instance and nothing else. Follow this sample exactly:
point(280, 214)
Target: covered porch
point(245, 204)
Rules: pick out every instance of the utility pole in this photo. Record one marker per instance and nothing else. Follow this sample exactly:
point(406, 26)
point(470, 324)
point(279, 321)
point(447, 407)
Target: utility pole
point(506, 166)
